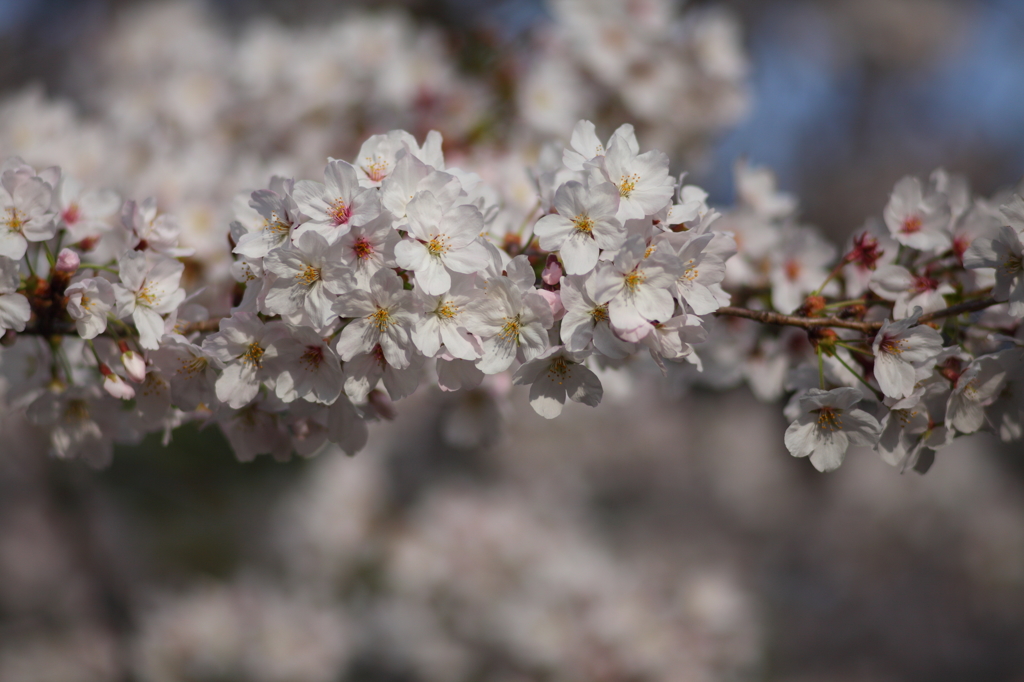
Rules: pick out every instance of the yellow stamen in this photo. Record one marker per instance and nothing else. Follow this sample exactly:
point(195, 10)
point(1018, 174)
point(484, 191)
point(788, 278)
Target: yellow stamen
point(438, 245)
point(254, 355)
point(510, 332)
point(309, 276)
point(627, 183)
point(829, 419)
point(381, 319)
point(634, 279)
point(583, 223)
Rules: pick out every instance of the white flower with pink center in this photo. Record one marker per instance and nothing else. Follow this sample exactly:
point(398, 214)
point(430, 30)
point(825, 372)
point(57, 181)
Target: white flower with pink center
point(148, 289)
point(336, 205)
point(918, 221)
point(905, 352)
point(368, 248)
point(555, 375)
point(89, 302)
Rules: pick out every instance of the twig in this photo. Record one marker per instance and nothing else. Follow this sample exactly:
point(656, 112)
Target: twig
point(770, 317)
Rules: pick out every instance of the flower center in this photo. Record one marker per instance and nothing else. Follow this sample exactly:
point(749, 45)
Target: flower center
point(892, 345)
point(911, 224)
point(447, 310)
point(583, 223)
point(15, 219)
point(309, 275)
point(627, 184)
point(339, 212)
point(362, 248)
point(599, 313)
point(1012, 265)
point(634, 279)
point(77, 411)
point(253, 355)
point(382, 319)
point(510, 331)
point(146, 295)
point(71, 214)
point(377, 170)
point(792, 270)
point(830, 419)
point(313, 357)
point(437, 245)
point(193, 366)
point(558, 369)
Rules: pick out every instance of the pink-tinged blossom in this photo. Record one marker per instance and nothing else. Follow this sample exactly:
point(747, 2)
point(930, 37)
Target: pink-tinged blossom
point(636, 288)
point(975, 388)
point(15, 311)
point(89, 302)
point(915, 220)
point(308, 368)
point(1005, 253)
point(189, 370)
point(904, 353)
point(442, 240)
point(309, 273)
point(584, 224)
point(798, 266)
point(368, 248)
point(25, 215)
point(379, 154)
point(643, 182)
point(245, 347)
point(279, 215)
point(148, 289)
point(67, 262)
point(555, 375)
point(909, 291)
point(587, 321)
point(382, 316)
point(336, 205)
point(84, 214)
point(150, 230)
point(511, 322)
point(828, 424)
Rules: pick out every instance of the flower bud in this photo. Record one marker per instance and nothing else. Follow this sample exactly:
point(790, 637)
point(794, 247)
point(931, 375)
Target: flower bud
point(134, 366)
point(552, 273)
point(67, 262)
point(115, 385)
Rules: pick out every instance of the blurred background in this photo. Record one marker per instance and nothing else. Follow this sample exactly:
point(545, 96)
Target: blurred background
point(667, 534)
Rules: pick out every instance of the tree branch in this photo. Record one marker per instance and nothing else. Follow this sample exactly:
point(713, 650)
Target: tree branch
point(769, 317)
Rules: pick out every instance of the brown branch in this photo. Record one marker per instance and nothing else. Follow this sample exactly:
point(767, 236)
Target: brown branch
point(769, 317)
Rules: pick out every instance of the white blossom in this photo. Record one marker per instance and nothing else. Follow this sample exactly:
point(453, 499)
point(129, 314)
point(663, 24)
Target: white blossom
point(826, 426)
point(555, 375)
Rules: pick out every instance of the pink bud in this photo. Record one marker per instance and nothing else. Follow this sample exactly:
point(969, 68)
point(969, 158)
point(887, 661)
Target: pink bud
point(67, 262)
point(554, 300)
point(117, 387)
point(134, 365)
point(552, 272)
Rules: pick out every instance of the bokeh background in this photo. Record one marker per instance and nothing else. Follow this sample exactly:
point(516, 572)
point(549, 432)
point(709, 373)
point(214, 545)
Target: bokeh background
point(667, 534)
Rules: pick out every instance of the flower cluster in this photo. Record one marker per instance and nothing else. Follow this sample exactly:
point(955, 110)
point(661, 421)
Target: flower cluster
point(396, 269)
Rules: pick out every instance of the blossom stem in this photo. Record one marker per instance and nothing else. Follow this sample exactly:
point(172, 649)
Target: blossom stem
point(860, 378)
point(854, 348)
